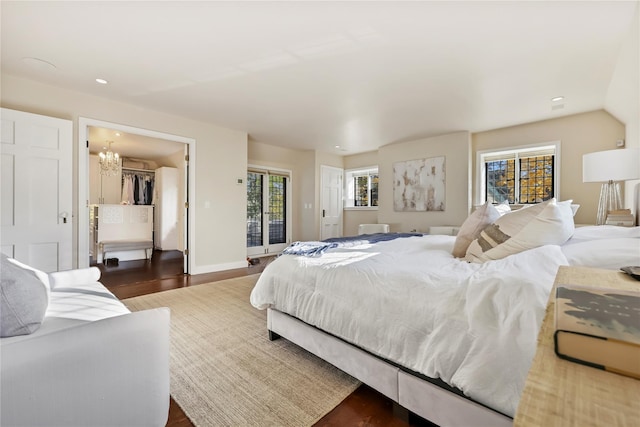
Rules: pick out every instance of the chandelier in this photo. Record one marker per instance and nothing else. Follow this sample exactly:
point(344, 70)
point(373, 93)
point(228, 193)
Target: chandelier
point(109, 162)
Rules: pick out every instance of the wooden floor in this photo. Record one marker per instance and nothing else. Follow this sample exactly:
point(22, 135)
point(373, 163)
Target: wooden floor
point(364, 407)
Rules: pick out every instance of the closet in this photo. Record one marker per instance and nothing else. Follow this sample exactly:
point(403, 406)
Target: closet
point(143, 204)
point(137, 186)
point(129, 186)
point(103, 188)
point(166, 222)
point(116, 211)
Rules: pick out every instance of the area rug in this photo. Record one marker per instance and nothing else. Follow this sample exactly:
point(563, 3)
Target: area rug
point(225, 371)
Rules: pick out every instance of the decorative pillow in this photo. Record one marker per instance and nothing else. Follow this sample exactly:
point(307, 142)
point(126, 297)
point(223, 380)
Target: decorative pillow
point(574, 209)
point(547, 223)
point(23, 299)
point(503, 208)
point(41, 275)
point(472, 226)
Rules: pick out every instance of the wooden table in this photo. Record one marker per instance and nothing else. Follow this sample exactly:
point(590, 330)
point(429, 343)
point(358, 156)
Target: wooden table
point(562, 393)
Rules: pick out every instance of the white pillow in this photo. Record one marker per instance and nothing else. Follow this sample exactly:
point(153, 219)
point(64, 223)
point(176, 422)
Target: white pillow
point(604, 253)
point(592, 232)
point(547, 223)
point(574, 209)
point(472, 226)
point(503, 208)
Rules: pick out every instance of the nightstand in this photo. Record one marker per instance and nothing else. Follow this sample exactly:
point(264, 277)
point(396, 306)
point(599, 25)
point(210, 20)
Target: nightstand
point(563, 393)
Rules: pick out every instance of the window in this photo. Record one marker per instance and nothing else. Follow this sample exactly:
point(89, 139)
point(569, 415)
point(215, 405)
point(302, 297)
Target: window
point(520, 176)
point(361, 188)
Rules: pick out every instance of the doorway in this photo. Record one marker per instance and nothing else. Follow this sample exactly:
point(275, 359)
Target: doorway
point(268, 211)
point(149, 140)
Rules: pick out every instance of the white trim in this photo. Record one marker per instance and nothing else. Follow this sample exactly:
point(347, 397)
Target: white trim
point(261, 168)
point(83, 180)
point(289, 208)
point(349, 174)
point(360, 208)
point(364, 169)
point(480, 176)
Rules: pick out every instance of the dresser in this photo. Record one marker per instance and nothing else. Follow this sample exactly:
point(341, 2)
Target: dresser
point(563, 393)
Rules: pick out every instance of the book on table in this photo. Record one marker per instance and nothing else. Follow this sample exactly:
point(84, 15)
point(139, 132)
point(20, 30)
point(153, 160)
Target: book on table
point(599, 327)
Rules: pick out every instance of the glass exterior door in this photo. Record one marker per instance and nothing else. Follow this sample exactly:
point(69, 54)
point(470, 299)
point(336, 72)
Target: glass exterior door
point(267, 207)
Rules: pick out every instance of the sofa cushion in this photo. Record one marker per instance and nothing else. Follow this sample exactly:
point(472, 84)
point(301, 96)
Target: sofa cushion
point(23, 299)
point(87, 302)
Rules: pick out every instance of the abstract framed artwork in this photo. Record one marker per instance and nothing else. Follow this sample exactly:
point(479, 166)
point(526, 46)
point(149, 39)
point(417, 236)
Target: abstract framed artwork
point(419, 185)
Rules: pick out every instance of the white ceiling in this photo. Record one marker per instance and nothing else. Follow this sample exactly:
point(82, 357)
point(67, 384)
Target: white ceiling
point(131, 145)
point(314, 75)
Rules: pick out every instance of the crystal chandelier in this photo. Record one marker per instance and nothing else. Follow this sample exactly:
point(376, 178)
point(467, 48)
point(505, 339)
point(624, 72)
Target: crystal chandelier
point(109, 162)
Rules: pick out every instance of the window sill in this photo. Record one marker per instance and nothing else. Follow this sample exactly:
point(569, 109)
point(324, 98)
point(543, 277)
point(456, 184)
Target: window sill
point(360, 208)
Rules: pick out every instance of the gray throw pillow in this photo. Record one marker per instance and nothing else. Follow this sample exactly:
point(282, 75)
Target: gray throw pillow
point(23, 300)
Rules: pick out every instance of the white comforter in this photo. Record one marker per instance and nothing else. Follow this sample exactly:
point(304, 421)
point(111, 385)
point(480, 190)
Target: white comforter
point(409, 301)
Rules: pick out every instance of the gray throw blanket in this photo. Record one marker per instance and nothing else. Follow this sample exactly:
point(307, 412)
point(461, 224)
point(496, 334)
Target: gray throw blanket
point(317, 248)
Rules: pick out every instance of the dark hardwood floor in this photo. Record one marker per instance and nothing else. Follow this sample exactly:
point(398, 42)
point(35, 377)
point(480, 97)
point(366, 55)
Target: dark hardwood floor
point(364, 407)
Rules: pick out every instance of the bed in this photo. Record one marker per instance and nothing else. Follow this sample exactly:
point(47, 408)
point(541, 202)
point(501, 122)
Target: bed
point(448, 339)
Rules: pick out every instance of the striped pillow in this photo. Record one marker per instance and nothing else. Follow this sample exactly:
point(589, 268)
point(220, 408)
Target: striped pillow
point(547, 223)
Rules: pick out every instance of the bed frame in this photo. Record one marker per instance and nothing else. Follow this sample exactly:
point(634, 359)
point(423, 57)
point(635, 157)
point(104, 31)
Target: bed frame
point(437, 404)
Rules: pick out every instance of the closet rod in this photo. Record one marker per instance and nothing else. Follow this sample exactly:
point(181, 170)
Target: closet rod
point(124, 169)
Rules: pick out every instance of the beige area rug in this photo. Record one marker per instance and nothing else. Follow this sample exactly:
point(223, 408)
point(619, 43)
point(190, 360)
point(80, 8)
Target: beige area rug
point(226, 372)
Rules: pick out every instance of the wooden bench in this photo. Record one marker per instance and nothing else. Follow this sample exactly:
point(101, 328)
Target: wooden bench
point(125, 245)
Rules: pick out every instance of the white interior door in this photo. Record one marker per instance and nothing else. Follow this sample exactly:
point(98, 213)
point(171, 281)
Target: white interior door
point(331, 202)
point(36, 212)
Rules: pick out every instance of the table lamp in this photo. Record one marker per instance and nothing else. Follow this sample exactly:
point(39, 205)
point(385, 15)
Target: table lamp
point(610, 167)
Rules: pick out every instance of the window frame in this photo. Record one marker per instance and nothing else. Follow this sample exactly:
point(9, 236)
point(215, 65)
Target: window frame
point(481, 185)
point(349, 196)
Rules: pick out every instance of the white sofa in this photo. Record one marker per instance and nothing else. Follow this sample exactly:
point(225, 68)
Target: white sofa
point(91, 362)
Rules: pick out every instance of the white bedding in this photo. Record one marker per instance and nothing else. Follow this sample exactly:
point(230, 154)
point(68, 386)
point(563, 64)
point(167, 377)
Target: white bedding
point(410, 301)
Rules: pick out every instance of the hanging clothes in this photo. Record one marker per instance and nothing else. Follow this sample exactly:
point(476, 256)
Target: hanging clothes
point(137, 187)
point(148, 190)
point(130, 200)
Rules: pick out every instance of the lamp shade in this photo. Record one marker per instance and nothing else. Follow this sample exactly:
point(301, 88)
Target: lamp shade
point(611, 165)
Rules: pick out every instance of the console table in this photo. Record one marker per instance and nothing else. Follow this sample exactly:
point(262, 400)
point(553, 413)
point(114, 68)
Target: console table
point(562, 393)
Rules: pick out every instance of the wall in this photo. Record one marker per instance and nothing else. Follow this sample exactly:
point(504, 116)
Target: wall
point(578, 134)
point(623, 97)
point(220, 204)
point(456, 149)
point(305, 169)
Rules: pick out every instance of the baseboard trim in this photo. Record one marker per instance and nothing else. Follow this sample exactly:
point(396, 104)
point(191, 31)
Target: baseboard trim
point(212, 268)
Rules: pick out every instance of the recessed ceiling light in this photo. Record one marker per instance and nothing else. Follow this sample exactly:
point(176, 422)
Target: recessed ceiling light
point(557, 98)
point(102, 81)
point(337, 146)
point(117, 133)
